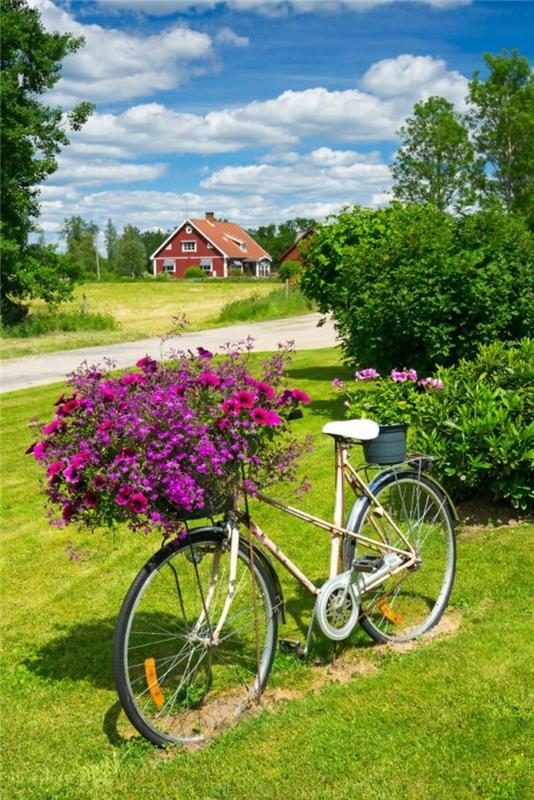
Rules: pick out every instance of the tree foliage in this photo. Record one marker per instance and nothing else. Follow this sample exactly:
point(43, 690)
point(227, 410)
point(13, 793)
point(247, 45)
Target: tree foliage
point(502, 119)
point(151, 241)
point(80, 238)
point(436, 163)
point(111, 238)
point(411, 285)
point(32, 134)
point(131, 254)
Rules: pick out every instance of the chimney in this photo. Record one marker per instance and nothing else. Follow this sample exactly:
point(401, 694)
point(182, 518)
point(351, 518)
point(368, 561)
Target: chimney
point(210, 216)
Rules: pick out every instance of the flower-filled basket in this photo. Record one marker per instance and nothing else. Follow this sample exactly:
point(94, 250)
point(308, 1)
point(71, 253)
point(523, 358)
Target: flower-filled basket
point(167, 442)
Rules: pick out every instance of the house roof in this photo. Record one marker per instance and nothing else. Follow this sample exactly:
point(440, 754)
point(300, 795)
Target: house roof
point(227, 237)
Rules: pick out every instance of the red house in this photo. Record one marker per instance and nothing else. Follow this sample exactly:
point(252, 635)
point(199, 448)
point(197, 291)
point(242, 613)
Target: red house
point(294, 253)
point(216, 247)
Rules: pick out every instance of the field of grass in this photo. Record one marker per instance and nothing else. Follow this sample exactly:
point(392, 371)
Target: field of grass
point(279, 303)
point(449, 719)
point(141, 309)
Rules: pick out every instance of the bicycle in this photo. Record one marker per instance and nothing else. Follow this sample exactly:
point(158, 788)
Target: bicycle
point(198, 629)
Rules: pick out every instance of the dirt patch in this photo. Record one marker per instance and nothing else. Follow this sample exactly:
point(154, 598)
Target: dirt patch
point(482, 511)
point(224, 713)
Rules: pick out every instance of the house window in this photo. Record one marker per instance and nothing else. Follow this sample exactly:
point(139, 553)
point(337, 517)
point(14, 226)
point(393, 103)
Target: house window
point(206, 264)
point(169, 246)
point(169, 265)
point(189, 246)
point(209, 246)
point(243, 245)
point(189, 229)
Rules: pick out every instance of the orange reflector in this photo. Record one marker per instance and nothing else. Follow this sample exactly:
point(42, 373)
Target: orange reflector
point(388, 612)
point(152, 681)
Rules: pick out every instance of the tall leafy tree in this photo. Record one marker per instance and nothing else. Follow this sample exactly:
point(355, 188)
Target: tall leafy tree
point(276, 239)
point(131, 253)
point(80, 238)
point(111, 238)
point(151, 241)
point(32, 134)
point(502, 118)
point(436, 162)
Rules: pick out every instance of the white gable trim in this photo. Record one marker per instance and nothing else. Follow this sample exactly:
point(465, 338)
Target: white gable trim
point(178, 229)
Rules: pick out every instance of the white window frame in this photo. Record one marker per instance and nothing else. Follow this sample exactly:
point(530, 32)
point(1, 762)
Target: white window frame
point(189, 229)
point(192, 249)
point(165, 265)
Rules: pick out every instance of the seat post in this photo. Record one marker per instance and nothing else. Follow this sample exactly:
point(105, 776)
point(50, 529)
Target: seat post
point(339, 506)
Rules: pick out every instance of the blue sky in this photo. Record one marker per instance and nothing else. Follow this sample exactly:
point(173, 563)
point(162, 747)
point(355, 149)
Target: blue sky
point(259, 110)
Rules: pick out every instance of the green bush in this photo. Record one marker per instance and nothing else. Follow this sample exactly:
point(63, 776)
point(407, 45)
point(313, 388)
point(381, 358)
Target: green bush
point(481, 425)
point(40, 324)
point(408, 284)
point(290, 271)
point(194, 273)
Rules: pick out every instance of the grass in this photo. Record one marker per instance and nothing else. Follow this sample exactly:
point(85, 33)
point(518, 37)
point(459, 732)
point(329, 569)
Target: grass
point(43, 322)
point(277, 304)
point(450, 719)
point(141, 310)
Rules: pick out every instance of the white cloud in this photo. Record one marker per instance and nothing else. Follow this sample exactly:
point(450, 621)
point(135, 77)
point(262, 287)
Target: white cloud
point(415, 78)
point(114, 65)
point(353, 115)
point(266, 7)
point(99, 171)
point(228, 37)
point(346, 176)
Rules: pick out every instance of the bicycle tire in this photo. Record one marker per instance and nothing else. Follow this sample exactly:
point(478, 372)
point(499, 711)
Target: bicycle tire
point(408, 604)
point(172, 685)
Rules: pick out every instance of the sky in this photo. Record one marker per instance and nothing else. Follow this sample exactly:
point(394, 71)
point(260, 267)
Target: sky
point(257, 110)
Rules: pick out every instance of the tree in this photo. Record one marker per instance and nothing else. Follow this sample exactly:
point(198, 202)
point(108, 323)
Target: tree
point(436, 163)
point(111, 239)
point(131, 253)
point(80, 238)
point(151, 241)
point(502, 119)
point(32, 134)
point(276, 239)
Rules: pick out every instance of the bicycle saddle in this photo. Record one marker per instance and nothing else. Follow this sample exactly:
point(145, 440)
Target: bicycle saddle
point(361, 429)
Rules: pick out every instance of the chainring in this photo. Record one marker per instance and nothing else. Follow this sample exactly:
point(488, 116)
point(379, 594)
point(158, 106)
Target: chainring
point(337, 607)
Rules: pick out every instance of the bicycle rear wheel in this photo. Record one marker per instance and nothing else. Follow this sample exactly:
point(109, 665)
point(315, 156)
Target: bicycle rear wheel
point(411, 602)
point(174, 683)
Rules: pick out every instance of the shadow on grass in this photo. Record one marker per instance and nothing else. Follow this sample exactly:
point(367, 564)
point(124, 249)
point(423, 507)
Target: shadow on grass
point(321, 373)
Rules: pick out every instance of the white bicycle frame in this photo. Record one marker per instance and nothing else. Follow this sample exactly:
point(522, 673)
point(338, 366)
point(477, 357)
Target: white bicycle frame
point(344, 473)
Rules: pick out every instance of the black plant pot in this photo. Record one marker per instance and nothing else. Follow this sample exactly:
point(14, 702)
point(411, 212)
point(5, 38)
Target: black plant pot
point(389, 447)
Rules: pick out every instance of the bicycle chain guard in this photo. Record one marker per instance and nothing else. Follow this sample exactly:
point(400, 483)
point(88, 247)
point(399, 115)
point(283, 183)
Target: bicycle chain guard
point(337, 607)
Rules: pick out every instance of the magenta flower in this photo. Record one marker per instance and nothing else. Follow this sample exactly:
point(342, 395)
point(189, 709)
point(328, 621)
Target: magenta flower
point(99, 482)
point(209, 379)
point(68, 408)
point(337, 384)
point(90, 500)
point(412, 375)
point(54, 469)
point(398, 377)
point(147, 364)
point(52, 427)
point(204, 354)
point(244, 399)
point(273, 419)
point(67, 512)
point(131, 378)
point(138, 503)
point(72, 474)
point(366, 374)
point(260, 416)
point(39, 450)
point(230, 406)
point(123, 495)
point(265, 389)
point(300, 397)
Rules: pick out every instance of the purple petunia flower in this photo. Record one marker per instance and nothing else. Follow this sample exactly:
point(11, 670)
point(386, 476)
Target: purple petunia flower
point(243, 399)
point(204, 354)
point(337, 384)
point(209, 379)
point(39, 450)
point(265, 389)
point(260, 416)
point(52, 427)
point(273, 419)
point(300, 397)
point(123, 495)
point(90, 500)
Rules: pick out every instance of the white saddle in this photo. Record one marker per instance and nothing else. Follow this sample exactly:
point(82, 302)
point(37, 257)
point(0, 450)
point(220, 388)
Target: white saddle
point(360, 429)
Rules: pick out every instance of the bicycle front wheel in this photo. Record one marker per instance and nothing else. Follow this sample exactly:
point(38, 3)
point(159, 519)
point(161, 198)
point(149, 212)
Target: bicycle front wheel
point(411, 602)
point(175, 683)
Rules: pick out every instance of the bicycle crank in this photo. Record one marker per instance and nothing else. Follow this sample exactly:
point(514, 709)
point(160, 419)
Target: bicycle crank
point(337, 607)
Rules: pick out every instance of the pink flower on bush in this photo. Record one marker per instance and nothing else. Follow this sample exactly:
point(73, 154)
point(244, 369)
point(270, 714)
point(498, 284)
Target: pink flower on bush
point(209, 379)
point(123, 495)
point(431, 383)
point(99, 481)
point(147, 364)
point(131, 378)
point(52, 427)
point(337, 384)
point(39, 450)
point(244, 399)
point(260, 416)
point(204, 354)
point(366, 374)
point(90, 500)
point(273, 419)
point(398, 376)
point(265, 389)
point(138, 503)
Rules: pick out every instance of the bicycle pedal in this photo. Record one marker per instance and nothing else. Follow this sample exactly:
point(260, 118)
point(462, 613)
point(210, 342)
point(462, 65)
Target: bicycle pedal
point(368, 563)
point(292, 647)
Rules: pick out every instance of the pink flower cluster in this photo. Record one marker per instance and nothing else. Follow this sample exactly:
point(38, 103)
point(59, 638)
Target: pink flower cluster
point(366, 374)
point(170, 441)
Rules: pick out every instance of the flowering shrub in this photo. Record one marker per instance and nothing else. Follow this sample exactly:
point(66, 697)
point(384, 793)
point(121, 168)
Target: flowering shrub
point(390, 400)
point(167, 442)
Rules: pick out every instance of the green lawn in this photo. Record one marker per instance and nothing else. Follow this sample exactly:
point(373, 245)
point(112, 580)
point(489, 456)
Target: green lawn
point(450, 718)
point(142, 309)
